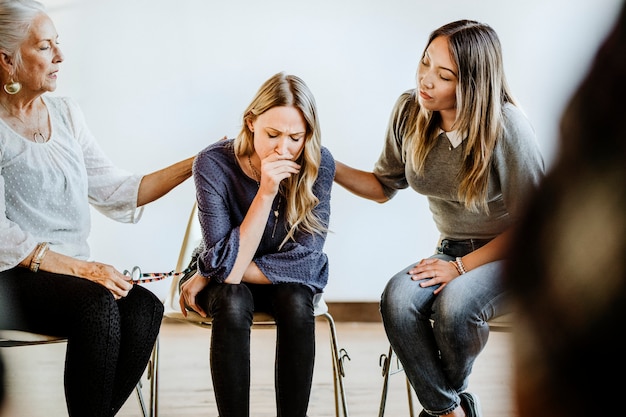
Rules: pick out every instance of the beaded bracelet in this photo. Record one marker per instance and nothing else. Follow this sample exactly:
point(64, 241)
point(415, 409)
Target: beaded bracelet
point(40, 252)
point(459, 264)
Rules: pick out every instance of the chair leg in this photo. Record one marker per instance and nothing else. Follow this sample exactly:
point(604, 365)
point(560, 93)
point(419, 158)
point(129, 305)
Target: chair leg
point(142, 403)
point(409, 393)
point(154, 380)
point(152, 375)
point(385, 363)
point(338, 356)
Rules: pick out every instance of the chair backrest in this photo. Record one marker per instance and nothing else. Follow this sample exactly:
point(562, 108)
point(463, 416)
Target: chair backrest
point(191, 240)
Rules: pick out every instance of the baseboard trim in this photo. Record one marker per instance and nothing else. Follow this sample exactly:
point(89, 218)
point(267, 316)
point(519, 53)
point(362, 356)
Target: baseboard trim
point(350, 311)
point(354, 311)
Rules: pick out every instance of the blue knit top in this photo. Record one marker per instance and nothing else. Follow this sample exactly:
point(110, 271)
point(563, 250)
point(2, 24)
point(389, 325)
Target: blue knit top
point(224, 194)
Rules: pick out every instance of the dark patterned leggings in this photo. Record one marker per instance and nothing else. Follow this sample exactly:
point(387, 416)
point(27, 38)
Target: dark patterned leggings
point(109, 341)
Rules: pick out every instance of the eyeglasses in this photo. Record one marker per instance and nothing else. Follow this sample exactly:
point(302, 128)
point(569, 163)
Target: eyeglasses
point(137, 277)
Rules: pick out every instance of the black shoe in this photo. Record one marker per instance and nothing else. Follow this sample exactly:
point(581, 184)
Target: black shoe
point(470, 404)
point(424, 414)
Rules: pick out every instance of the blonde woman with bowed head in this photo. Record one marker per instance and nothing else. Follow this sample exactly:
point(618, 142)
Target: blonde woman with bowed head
point(264, 206)
point(51, 171)
point(459, 139)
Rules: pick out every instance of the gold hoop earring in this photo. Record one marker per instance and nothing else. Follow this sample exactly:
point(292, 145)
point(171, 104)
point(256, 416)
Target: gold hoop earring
point(13, 87)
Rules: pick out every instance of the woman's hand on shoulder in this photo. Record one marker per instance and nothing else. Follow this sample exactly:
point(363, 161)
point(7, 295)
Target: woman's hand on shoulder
point(433, 271)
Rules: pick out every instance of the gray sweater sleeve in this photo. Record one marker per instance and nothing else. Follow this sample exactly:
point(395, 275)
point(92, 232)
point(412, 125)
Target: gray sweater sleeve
point(390, 167)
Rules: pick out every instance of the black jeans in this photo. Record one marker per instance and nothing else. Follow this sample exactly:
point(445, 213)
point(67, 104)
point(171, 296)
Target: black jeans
point(109, 342)
point(231, 307)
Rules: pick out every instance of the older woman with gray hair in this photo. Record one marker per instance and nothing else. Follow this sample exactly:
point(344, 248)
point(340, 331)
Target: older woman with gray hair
point(51, 170)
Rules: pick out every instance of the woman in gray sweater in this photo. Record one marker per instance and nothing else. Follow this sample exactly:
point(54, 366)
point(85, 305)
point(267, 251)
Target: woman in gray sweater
point(459, 139)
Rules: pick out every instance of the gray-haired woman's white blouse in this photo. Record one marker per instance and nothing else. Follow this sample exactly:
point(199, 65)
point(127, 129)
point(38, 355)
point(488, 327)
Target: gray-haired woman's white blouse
point(46, 188)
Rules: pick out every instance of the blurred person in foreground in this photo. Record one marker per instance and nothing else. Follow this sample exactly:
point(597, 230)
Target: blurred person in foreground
point(567, 270)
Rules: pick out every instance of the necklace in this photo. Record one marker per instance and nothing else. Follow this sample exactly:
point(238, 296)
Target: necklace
point(276, 213)
point(257, 174)
point(38, 137)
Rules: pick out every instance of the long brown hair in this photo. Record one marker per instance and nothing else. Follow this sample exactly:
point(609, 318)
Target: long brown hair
point(481, 93)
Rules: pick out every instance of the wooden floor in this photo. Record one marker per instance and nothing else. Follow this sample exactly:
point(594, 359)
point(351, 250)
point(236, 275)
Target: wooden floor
point(35, 376)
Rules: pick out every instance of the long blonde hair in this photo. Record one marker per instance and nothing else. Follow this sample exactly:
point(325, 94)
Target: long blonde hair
point(481, 93)
point(297, 191)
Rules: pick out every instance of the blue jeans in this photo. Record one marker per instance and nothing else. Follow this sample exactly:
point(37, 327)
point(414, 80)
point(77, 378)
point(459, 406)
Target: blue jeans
point(438, 356)
point(231, 307)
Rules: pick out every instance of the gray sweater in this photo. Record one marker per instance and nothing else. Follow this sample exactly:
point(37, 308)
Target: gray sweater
point(516, 170)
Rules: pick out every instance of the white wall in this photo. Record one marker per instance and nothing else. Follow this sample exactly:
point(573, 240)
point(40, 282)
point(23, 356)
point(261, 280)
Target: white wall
point(159, 80)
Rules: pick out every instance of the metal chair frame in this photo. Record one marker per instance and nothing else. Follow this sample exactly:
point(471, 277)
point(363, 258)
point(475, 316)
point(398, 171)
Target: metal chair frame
point(499, 324)
point(260, 320)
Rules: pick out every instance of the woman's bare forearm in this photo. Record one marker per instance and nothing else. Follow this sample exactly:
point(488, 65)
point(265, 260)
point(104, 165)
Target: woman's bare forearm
point(361, 183)
point(155, 185)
